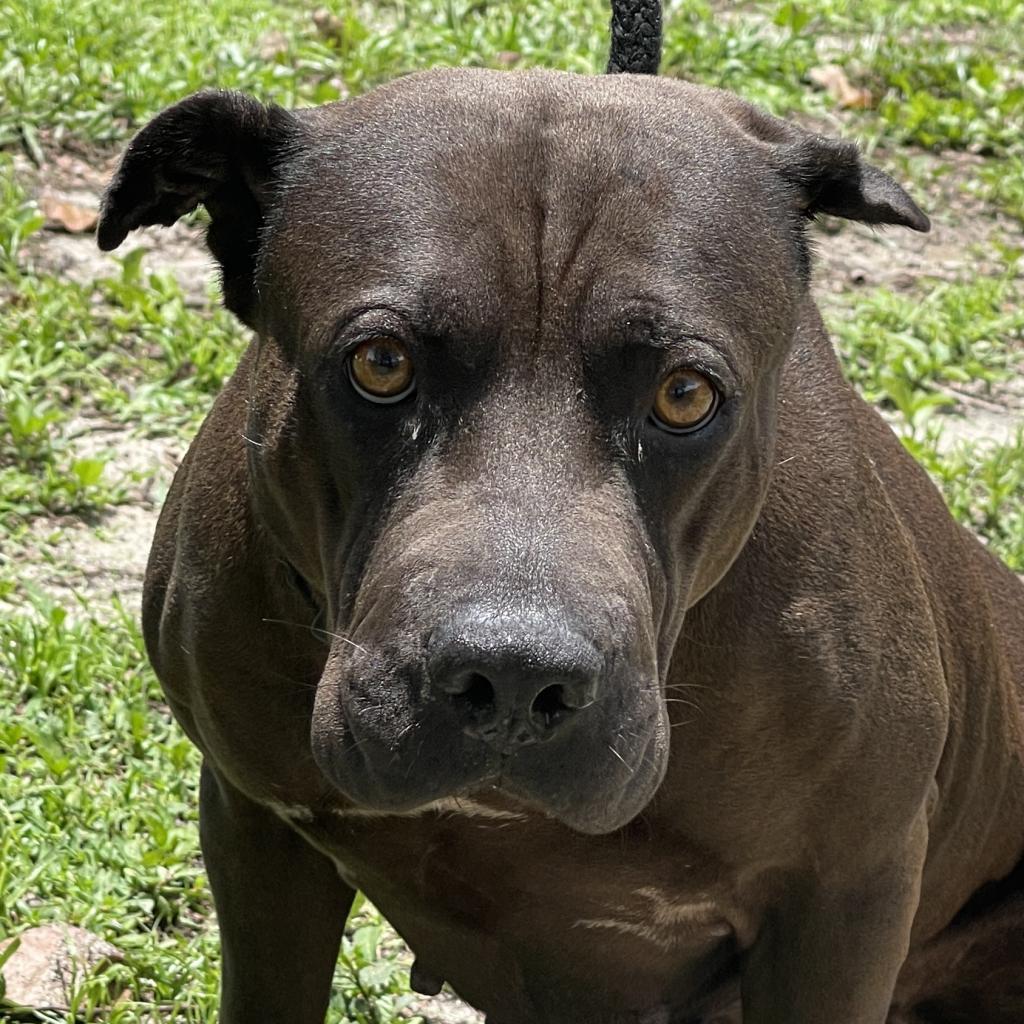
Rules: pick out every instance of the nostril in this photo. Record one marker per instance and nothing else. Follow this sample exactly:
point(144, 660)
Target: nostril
point(550, 706)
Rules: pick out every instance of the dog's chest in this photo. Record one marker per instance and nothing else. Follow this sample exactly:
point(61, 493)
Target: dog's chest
point(524, 917)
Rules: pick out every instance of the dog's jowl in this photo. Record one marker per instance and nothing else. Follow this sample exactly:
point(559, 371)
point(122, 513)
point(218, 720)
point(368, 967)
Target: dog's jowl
point(538, 574)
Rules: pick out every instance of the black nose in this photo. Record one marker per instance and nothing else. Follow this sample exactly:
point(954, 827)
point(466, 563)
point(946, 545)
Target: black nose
point(516, 680)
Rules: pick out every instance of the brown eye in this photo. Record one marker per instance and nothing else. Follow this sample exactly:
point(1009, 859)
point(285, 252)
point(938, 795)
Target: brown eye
point(685, 402)
point(381, 370)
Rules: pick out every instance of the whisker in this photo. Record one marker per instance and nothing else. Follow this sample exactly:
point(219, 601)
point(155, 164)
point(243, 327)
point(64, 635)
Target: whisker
point(621, 758)
point(318, 631)
point(338, 636)
point(369, 710)
point(412, 725)
point(688, 703)
point(288, 622)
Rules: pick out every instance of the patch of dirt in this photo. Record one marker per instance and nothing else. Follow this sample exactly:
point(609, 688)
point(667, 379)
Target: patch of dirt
point(178, 250)
point(445, 1008)
point(996, 418)
point(964, 240)
point(71, 558)
point(49, 964)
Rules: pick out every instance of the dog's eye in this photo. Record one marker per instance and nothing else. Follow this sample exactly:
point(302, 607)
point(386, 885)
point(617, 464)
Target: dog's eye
point(685, 402)
point(380, 369)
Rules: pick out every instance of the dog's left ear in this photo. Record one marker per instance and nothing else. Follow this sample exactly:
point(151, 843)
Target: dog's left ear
point(221, 149)
point(826, 175)
point(831, 177)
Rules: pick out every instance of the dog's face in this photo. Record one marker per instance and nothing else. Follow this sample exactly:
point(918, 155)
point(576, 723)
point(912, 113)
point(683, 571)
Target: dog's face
point(513, 411)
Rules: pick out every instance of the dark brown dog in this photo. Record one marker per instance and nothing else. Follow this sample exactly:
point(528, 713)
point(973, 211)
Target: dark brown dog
point(538, 573)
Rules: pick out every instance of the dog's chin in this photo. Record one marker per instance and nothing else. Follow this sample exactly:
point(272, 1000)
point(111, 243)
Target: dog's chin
point(593, 814)
point(587, 786)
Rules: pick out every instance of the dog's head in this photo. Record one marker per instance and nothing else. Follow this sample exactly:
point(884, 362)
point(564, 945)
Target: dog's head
point(520, 338)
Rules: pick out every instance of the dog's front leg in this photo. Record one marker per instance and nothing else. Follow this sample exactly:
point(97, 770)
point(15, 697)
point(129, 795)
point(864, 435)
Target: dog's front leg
point(831, 955)
point(281, 907)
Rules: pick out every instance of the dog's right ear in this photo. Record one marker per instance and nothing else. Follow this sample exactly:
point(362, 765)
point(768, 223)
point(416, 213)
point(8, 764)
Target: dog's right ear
point(221, 149)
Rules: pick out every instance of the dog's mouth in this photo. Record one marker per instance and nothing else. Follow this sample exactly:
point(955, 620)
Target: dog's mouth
point(392, 742)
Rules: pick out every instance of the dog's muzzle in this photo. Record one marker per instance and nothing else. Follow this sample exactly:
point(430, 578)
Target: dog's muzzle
point(526, 704)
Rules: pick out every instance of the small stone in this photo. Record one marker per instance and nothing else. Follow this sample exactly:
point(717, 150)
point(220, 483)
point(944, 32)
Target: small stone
point(50, 964)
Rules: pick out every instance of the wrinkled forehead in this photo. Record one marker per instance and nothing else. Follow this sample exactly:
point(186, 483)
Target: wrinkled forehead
point(490, 195)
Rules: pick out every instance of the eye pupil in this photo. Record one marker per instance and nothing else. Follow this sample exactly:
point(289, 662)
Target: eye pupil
point(682, 389)
point(685, 401)
point(385, 361)
point(381, 370)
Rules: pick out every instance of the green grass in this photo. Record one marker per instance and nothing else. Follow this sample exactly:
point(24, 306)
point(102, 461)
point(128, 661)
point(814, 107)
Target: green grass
point(98, 821)
point(99, 796)
point(125, 350)
point(73, 69)
point(79, 70)
point(1002, 185)
point(916, 356)
point(901, 349)
point(97, 785)
point(983, 484)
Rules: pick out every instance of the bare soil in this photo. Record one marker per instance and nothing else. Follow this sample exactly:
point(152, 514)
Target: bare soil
point(177, 250)
point(102, 559)
point(964, 240)
point(445, 1008)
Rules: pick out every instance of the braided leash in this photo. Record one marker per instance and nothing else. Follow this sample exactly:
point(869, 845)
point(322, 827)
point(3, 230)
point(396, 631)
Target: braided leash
point(636, 37)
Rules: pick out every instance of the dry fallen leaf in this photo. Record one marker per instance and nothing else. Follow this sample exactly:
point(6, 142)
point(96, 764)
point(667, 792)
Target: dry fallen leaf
point(832, 78)
point(50, 963)
point(65, 214)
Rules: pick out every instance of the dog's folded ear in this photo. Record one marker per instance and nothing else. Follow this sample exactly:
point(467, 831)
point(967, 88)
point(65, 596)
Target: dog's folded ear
point(831, 177)
point(827, 175)
point(221, 149)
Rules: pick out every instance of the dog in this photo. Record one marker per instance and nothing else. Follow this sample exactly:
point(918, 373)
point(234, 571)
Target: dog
point(538, 574)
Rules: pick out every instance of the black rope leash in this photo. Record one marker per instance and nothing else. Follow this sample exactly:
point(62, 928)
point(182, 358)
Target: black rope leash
point(636, 37)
